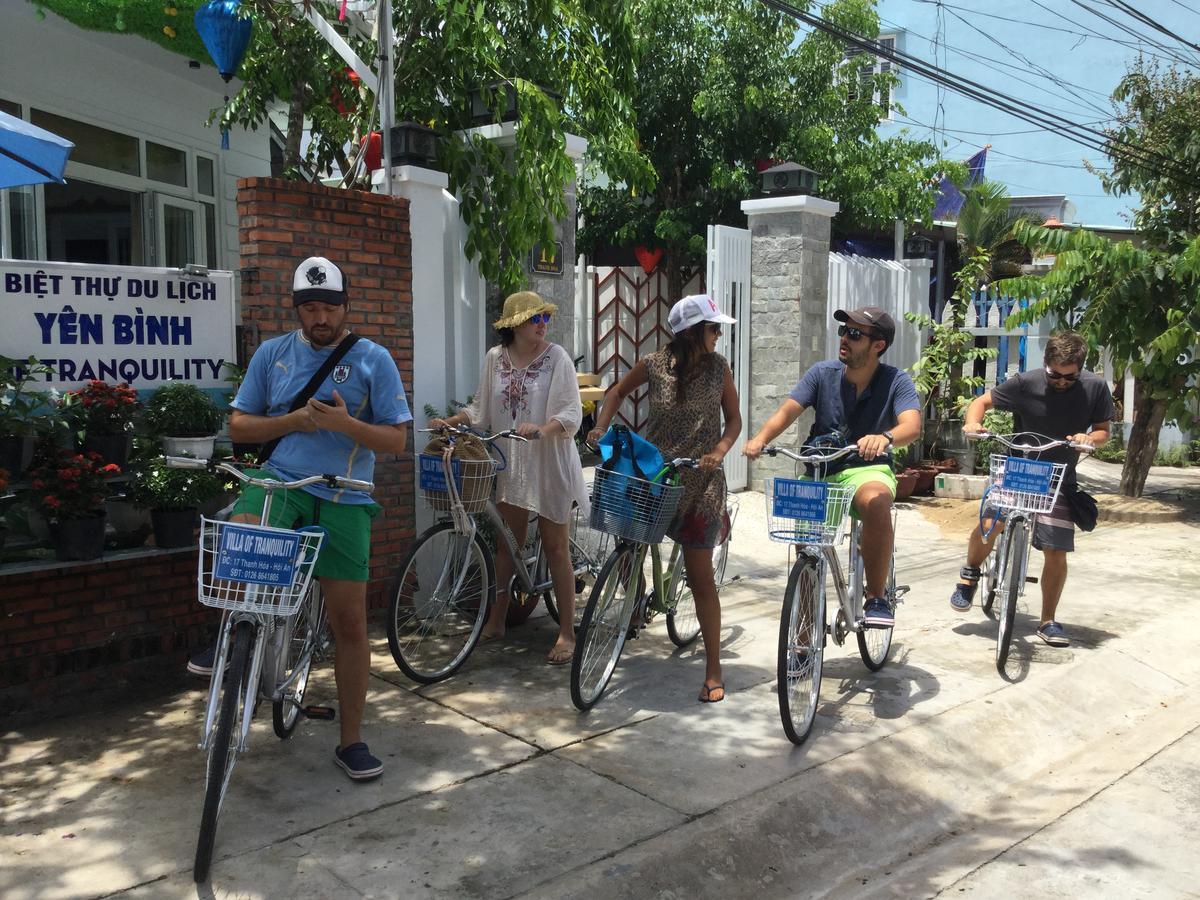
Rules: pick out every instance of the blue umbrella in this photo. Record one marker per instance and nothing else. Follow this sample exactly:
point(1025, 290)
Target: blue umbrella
point(30, 155)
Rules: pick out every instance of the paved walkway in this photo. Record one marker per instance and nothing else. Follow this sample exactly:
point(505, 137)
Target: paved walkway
point(933, 775)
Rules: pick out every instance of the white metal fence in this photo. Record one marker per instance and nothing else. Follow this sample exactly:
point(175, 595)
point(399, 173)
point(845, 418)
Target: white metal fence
point(899, 288)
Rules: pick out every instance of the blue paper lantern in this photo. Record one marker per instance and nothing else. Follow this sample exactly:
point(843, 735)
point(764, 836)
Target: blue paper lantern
point(225, 32)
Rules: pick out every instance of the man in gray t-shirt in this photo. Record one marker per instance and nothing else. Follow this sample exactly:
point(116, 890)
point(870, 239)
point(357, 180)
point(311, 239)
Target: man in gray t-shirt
point(1063, 402)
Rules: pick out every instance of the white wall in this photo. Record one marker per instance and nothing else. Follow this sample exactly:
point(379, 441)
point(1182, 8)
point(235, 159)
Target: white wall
point(130, 85)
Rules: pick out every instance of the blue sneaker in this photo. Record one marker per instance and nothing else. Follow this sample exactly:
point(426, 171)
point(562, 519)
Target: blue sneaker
point(877, 613)
point(357, 762)
point(963, 597)
point(202, 663)
point(1054, 635)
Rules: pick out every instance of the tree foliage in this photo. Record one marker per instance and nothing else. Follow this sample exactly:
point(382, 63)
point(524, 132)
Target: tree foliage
point(1142, 304)
point(722, 84)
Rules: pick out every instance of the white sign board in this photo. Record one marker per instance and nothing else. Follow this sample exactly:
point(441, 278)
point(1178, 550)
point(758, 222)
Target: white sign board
point(133, 324)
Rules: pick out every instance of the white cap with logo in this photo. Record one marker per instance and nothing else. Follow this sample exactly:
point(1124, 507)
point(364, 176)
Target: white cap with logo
point(695, 309)
point(318, 279)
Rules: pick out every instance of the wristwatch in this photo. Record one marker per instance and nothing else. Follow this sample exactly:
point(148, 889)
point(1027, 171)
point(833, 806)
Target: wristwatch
point(888, 435)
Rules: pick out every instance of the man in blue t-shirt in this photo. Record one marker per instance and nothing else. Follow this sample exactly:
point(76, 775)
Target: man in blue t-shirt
point(858, 400)
point(358, 410)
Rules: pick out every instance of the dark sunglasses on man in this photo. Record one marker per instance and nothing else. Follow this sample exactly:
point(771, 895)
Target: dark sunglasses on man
point(856, 333)
point(1061, 376)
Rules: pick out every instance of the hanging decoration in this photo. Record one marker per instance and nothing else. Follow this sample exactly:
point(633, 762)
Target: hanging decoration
point(226, 35)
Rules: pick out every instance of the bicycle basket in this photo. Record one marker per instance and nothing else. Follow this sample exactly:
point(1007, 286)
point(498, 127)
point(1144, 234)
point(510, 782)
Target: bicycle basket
point(633, 508)
point(1024, 485)
point(255, 568)
point(804, 511)
point(474, 472)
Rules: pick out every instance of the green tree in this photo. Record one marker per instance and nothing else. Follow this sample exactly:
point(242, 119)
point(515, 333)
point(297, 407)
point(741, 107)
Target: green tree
point(571, 62)
point(724, 83)
point(1142, 304)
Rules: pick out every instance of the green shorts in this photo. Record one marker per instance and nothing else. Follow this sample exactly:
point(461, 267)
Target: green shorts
point(857, 476)
point(346, 550)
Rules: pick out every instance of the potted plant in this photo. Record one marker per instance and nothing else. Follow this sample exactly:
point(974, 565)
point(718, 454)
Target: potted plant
point(173, 497)
point(69, 488)
point(185, 418)
point(103, 413)
point(19, 409)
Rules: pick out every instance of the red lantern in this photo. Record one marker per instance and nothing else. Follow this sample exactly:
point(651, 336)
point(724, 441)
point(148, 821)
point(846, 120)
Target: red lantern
point(374, 154)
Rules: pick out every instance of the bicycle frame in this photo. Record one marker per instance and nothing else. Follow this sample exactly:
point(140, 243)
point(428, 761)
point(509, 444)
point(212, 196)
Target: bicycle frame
point(849, 590)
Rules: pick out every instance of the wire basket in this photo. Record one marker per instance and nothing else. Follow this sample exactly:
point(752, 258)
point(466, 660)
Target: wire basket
point(254, 568)
point(1039, 498)
point(826, 531)
point(633, 508)
point(473, 478)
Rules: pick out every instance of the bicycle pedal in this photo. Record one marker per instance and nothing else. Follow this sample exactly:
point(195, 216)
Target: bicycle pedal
point(1031, 579)
point(901, 590)
point(322, 713)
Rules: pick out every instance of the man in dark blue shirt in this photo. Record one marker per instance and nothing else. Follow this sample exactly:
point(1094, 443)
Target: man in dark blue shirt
point(859, 400)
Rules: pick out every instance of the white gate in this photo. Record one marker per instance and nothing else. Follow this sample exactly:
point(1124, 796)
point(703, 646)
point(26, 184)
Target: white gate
point(729, 284)
point(899, 288)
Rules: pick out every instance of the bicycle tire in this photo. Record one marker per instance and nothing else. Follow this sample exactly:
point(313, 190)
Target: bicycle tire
point(434, 617)
point(798, 675)
point(220, 760)
point(305, 637)
point(1010, 589)
point(605, 626)
point(874, 644)
point(683, 625)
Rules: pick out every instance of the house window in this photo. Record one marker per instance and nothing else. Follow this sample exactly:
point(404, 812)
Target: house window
point(865, 68)
point(166, 164)
point(93, 223)
point(94, 146)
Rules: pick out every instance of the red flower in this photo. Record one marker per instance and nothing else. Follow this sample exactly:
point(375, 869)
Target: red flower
point(51, 501)
point(38, 484)
point(111, 469)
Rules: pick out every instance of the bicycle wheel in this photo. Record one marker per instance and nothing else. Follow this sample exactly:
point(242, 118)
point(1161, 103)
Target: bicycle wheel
point(874, 644)
point(1010, 588)
point(682, 623)
point(222, 754)
point(447, 582)
point(605, 626)
point(305, 638)
point(801, 648)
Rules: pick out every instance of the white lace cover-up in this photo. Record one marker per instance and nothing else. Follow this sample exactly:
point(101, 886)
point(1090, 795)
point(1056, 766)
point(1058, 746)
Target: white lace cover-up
point(544, 476)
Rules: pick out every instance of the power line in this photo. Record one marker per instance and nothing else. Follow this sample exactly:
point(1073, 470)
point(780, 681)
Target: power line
point(1139, 39)
point(1084, 135)
point(1121, 6)
point(993, 150)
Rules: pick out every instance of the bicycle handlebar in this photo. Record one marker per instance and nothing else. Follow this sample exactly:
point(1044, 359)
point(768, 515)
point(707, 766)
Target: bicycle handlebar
point(212, 465)
point(510, 434)
point(811, 457)
point(1007, 441)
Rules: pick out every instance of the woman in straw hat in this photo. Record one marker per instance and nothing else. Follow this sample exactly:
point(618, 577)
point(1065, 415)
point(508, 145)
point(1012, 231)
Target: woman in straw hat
point(528, 384)
point(694, 413)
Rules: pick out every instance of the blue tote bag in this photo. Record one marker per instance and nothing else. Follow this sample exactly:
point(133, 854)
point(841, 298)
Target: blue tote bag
point(624, 456)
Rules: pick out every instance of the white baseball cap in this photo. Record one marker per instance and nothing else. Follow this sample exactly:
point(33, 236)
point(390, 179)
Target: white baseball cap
point(318, 279)
point(695, 309)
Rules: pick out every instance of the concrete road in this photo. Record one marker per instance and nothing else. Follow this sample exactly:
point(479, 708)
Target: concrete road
point(1074, 775)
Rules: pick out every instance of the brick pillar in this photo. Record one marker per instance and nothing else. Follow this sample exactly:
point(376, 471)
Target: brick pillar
point(789, 315)
point(367, 235)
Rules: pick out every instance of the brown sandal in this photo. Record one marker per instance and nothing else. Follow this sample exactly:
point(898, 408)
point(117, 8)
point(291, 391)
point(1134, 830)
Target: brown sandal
point(706, 693)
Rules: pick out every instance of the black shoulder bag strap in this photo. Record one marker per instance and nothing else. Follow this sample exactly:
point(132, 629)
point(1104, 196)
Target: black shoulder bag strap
point(311, 388)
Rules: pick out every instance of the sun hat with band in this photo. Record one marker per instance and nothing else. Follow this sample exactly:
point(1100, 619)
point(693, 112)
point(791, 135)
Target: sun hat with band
point(520, 307)
point(695, 309)
point(318, 279)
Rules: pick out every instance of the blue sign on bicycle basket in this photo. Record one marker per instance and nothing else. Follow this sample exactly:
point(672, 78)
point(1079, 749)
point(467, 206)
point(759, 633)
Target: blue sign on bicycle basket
point(796, 499)
point(433, 476)
point(1029, 475)
point(257, 555)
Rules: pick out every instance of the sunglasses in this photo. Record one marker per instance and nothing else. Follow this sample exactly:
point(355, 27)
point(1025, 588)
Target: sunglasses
point(1061, 376)
point(855, 333)
point(714, 327)
point(540, 318)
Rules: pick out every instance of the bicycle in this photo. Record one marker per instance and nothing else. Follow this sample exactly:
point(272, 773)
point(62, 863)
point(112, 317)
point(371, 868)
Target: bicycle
point(812, 516)
point(1019, 490)
point(447, 580)
point(273, 630)
point(637, 513)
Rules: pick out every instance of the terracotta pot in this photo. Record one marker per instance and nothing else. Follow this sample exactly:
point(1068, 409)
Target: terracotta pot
point(924, 483)
point(906, 483)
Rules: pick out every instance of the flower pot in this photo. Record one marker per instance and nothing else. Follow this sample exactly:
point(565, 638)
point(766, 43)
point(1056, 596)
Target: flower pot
point(130, 522)
point(79, 538)
point(906, 483)
point(199, 447)
point(924, 482)
point(174, 527)
point(113, 448)
point(964, 460)
point(16, 452)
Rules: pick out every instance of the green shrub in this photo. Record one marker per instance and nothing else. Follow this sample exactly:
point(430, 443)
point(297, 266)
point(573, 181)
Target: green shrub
point(157, 486)
point(995, 421)
point(181, 409)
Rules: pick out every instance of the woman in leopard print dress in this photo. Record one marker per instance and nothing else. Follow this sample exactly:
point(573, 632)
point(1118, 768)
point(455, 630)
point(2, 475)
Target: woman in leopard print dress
point(691, 394)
